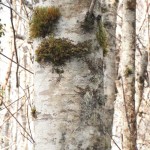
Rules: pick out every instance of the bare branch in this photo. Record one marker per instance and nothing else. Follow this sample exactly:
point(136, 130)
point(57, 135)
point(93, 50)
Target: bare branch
point(13, 102)
point(16, 63)
point(144, 18)
point(110, 135)
point(18, 122)
point(10, 7)
point(15, 46)
point(8, 73)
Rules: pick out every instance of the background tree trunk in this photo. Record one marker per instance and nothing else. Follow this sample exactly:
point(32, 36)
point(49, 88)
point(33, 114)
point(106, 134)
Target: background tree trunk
point(127, 76)
point(109, 15)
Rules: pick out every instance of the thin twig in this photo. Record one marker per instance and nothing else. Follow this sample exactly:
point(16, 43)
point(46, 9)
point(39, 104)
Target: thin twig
point(113, 36)
point(16, 63)
point(144, 18)
point(7, 119)
point(25, 94)
point(8, 72)
point(16, 111)
point(110, 135)
point(15, 46)
point(13, 102)
point(26, 137)
point(10, 7)
point(18, 122)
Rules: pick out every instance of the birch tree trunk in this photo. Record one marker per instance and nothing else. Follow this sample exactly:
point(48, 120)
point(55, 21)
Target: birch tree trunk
point(71, 109)
point(127, 76)
point(109, 16)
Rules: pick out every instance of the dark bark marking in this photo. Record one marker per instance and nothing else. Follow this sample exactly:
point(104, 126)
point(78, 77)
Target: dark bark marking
point(131, 4)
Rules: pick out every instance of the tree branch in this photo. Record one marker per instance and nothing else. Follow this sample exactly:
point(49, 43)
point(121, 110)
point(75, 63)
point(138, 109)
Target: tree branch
point(10, 7)
point(18, 121)
point(15, 46)
point(8, 73)
point(16, 63)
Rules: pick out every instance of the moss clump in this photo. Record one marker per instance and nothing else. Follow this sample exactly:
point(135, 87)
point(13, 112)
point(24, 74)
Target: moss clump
point(58, 51)
point(43, 21)
point(102, 37)
point(128, 72)
point(33, 112)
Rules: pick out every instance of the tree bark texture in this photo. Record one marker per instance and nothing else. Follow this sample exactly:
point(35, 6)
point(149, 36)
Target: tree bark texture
point(109, 15)
point(71, 107)
point(127, 78)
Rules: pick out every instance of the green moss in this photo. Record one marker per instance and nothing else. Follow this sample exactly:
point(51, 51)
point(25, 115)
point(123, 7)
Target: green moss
point(33, 112)
point(102, 38)
point(43, 21)
point(128, 72)
point(58, 51)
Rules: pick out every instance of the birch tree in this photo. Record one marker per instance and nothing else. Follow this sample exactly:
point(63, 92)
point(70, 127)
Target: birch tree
point(127, 75)
point(74, 100)
point(70, 104)
point(109, 15)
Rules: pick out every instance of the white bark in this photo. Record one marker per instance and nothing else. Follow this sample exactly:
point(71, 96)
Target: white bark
point(127, 75)
point(70, 112)
point(92, 6)
point(109, 15)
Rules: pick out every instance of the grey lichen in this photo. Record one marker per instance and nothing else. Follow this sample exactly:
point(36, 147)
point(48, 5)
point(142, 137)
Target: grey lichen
point(91, 100)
